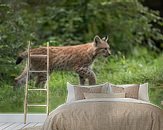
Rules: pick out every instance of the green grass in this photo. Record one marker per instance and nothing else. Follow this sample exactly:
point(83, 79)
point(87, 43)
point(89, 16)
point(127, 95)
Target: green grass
point(118, 69)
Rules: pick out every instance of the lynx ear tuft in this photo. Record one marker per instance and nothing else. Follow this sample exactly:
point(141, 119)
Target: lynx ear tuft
point(97, 40)
point(105, 38)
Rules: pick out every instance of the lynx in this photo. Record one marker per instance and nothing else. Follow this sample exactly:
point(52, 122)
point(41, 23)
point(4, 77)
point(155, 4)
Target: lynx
point(78, 58)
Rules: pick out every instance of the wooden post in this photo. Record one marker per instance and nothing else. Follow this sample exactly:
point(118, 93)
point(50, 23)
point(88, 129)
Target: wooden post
point(26, 87)
point(47, 109)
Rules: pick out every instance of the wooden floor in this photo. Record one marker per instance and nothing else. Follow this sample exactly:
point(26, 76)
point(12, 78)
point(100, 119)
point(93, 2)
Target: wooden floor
point(15, 121)
point(17, 126)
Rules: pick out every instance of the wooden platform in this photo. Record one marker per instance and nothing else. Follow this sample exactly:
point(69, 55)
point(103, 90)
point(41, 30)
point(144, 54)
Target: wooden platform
point(18, 126)
point(16, 121)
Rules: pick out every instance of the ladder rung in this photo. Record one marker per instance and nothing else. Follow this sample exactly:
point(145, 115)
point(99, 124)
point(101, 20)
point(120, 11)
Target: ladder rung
point(38, 55)
point(37, 71)
point(37, 89)
point(36, 105)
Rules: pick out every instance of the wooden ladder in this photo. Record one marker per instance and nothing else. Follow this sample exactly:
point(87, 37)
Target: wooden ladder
point(46, 87)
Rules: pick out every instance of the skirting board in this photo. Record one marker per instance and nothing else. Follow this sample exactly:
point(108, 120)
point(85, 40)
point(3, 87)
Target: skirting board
point(20, 117)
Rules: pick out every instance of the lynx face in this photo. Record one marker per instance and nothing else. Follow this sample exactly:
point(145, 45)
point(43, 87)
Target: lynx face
point(102, 47)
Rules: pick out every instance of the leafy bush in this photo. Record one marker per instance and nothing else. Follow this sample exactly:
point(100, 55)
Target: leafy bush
point(73, 22)
point(128, 23)
point(118, 69)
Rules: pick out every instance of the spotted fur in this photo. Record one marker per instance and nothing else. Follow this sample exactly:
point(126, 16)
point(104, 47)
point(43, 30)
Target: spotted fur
point(77, 58)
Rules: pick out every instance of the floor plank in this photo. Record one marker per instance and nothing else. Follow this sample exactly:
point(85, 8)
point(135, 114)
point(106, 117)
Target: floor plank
point(13, 126)
point(18, 126)
point(20, 117)
point(22, 125)
point(1, 124)
point(5, 126)
point(30, 125)
point(39, 124)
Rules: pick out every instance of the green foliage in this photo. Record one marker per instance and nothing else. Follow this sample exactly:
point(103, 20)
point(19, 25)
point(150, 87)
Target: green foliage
point(13, 34)
point(69, 22)
point(118, 69)
point(65, 22)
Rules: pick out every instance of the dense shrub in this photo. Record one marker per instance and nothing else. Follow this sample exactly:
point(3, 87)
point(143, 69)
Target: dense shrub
point(118, 69)
point(63, 22)
point(127, 23)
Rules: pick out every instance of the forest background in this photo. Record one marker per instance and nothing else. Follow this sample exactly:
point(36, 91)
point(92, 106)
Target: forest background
point(135, 36)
